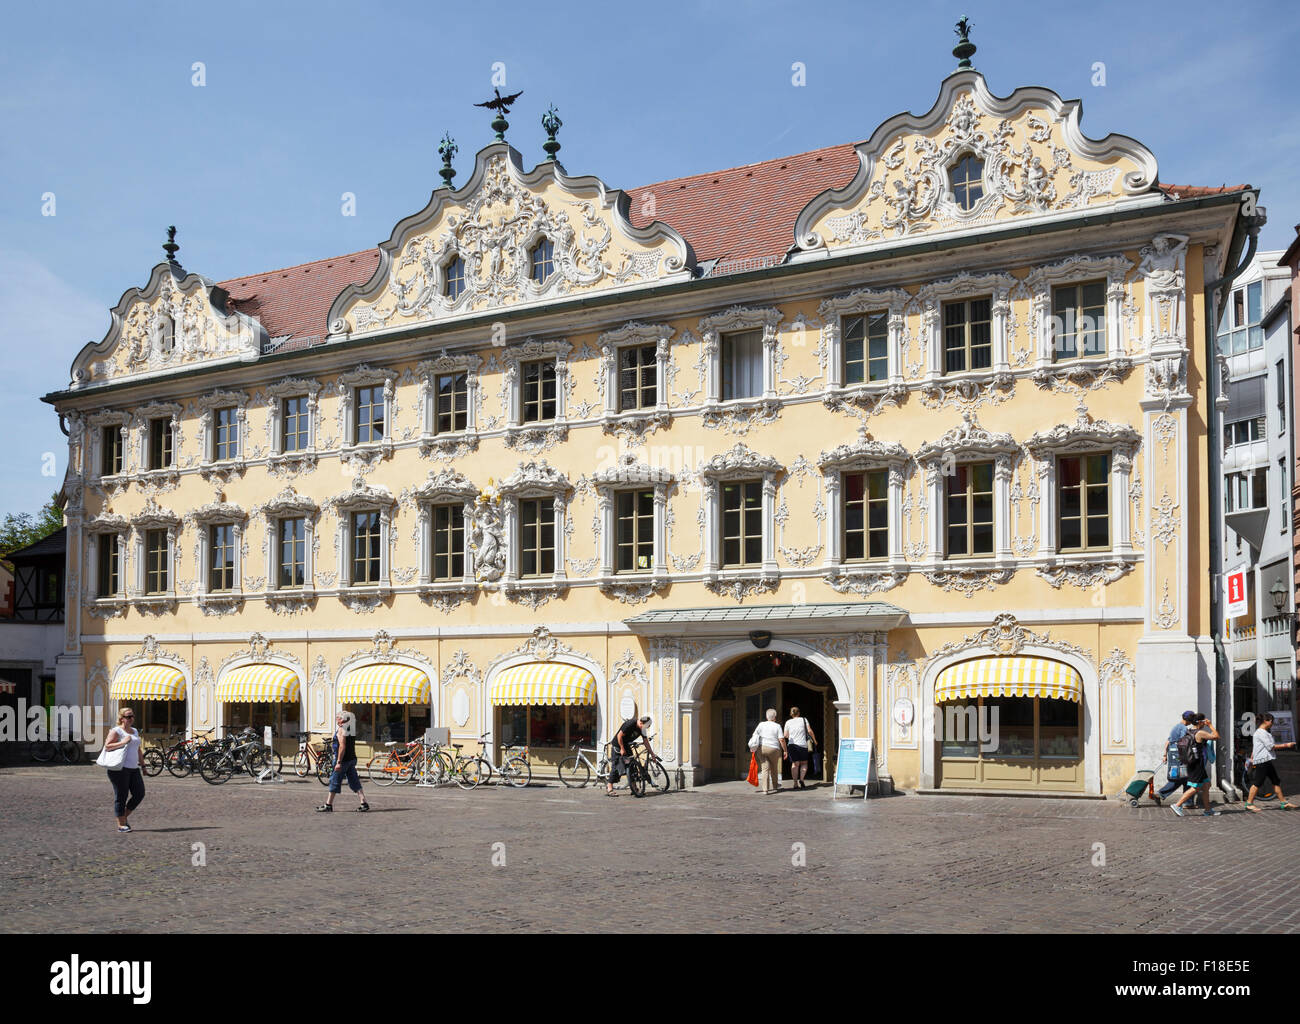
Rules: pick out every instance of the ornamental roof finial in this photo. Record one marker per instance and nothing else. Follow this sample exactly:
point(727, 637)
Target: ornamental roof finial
point(965, 49)
point(447, 149)
point(501, 104)
point(551, 124)
point(171, 247)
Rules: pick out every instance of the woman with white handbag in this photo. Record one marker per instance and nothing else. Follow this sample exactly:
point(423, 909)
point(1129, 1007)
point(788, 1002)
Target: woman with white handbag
point(121, 756)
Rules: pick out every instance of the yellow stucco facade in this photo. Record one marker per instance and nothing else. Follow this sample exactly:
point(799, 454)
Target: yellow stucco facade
point(868, 637)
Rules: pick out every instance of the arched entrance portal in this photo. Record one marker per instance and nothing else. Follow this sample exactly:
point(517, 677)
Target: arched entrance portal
point(738, 699)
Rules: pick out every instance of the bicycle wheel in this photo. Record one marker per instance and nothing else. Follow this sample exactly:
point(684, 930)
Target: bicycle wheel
point(472, 772)
point(573, 772)
point(301, 764)
point(275, 761)
point(382, 770)
point(409, 768)
point(70, 751)
point(178, 763)
point(42, 750)
point(516, 772)
point(324, 769)
point(151, 762)
point(657, 776)
point(635, 780)
point(216, 769)
point(440, 768)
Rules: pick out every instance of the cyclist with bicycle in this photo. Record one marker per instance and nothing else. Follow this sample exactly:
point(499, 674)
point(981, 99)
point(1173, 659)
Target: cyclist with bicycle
point(628, 733)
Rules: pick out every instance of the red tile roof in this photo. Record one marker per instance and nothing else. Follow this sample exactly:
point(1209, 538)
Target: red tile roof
point(740, 215)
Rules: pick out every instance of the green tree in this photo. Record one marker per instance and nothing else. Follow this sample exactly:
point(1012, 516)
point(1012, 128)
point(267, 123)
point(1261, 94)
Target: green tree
point(17, 531)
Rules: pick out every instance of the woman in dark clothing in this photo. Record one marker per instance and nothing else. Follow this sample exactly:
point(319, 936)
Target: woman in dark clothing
point(345, 764)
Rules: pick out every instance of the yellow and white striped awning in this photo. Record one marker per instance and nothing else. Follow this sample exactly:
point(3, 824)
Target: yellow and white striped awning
point(544, 683)
point(385, 684)
point(149, 682)
point(261, 684)
point(1008, 677)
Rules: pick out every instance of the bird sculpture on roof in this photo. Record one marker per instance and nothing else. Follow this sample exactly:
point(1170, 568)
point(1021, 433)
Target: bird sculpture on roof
point(501, 104)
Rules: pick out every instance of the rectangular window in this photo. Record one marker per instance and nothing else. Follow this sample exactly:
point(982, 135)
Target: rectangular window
point(537, 537)
point(637, 378)
point(967, 335)
point(365, 548)
point(742, 523)
point(1279, 372)
point(969, 507)
point(1254, 302)
point(295, 428)
point(866, 347)
point(370, 415)
point(155, 562)
point(866, 515)
point(1079, 320)
point(742, 365)
point(226, 441)
point(291, 544)
point(634, 521)
point(160, 443)
point(1083, 502)
point(1239, 308)
point(111, 451)
point(110, 565)
point(451, 403)
point(448, 524)
point(221, 558)
point(538, 391)
point(1247, 490)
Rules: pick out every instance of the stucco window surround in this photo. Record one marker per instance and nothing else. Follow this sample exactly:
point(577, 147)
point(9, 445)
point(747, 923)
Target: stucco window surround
point(739, 464)
point(452, 441)
point(447, 487)
point(938, 459)
point(513, 358)
point(364, 497)
point(612, 344)
point(835, 310)
point(534, 480)
point(864, 456)
point(366, 377)
point(217, 513)
point(141, 426)
point(289, 504)
point(207, 407)
point(931, 297)
point(276, 394)
point(153, 517)
point(1077, 270)
point(95, 449)
point(117, 527)
point(1083, 437)
point(630, 474)
point(731, 321)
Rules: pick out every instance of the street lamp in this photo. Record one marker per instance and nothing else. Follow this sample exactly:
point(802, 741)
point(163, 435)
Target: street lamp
point(1278, 593)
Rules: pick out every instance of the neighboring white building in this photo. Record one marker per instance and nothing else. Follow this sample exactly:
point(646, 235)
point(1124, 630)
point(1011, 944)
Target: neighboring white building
point(1255, 337)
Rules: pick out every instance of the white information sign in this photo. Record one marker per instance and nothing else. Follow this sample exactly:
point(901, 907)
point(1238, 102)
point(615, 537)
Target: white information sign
point(1235, 601)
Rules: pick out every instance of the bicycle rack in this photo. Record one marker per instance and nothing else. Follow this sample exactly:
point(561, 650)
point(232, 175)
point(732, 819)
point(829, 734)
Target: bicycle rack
point(432, 736)
point(268, 774)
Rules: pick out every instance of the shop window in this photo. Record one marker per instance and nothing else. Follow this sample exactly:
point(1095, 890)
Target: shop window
point(543, 726)
point(159, 716)
point(634, 516)
point(539, 391)
point(291, 557)
point(866, 515)
point(742, 523)
point(369, 424)
point(742, 364)
point(969, 507)
point(295, 426)
point(451, 410)
point(377, 724)
point(967, 335)
point(282, 717)
point(537, 537)
point(638, 371)
point(160, 443)
point(1083, 502)
point(448, 525)
point(1079, 320)
point(866, 347)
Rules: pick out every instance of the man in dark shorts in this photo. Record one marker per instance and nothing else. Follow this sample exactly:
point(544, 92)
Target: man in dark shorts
point(628, 733)
point(1175, 734)
point(345, 763)
point(1265, 769)
point(1198, 772)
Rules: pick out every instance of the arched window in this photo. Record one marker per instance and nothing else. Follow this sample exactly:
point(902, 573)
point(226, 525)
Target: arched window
point(967, 179)
point(543, 260)
point(454, 282)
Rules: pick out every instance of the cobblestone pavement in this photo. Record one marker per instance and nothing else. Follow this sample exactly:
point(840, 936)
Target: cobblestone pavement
point(719, 859)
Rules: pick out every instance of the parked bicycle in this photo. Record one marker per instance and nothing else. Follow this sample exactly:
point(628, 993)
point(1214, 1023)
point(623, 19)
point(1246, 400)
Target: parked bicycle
point(310, 758)
point(576, 770)
point(514, 769)
point(182, 757)
point(49, 748)
point(245, 754)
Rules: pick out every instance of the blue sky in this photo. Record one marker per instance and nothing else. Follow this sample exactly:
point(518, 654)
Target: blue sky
point(304, 102)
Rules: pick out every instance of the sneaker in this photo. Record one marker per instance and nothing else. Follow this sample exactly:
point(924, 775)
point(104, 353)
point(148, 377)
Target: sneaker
point(1210, 814)
point(1177, 810)
point(363, 806)
point(124, 828)
point(324, 807)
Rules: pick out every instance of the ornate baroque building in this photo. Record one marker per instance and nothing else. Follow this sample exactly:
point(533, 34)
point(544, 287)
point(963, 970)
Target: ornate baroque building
point(876, 430)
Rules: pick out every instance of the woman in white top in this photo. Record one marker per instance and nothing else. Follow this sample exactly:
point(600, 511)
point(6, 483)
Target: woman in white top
point(768, 743)
point(128, 782)
point(799, 740)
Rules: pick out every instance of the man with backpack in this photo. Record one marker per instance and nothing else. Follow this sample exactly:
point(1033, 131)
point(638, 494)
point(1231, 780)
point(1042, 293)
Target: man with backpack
point(1194, 757)
point(1171, 756)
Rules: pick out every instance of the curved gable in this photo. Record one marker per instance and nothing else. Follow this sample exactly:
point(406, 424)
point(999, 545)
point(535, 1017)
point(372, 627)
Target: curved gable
point(492, 223)
point(1036, 163)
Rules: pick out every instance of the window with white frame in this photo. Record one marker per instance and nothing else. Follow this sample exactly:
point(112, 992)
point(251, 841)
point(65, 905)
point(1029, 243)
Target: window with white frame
point(444, 501)
point(634, 368)
point(1083, 502)
point(107, 549)
point(292, 414)
point(968, 481)
point(290, 541)
point(535, 507)
point(157, 562)
point(538, 391)
point(365, 532)
point(1079, 320)
point(864, 484)
point(219, 527)
point(740, 509)
point(965, 323)
point(225, 424)
point(221, 558)
point(367, 542)
point(741, 361)
point(449, 393)
point(161, 453)
point(632, 498)
point(112, 451)
point(740, 351)
point(1078, 307)
point(968, 510)
point(222, 425)
point(537, 373)
point(863, 336)
point(290, 553)
point(366, 404)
